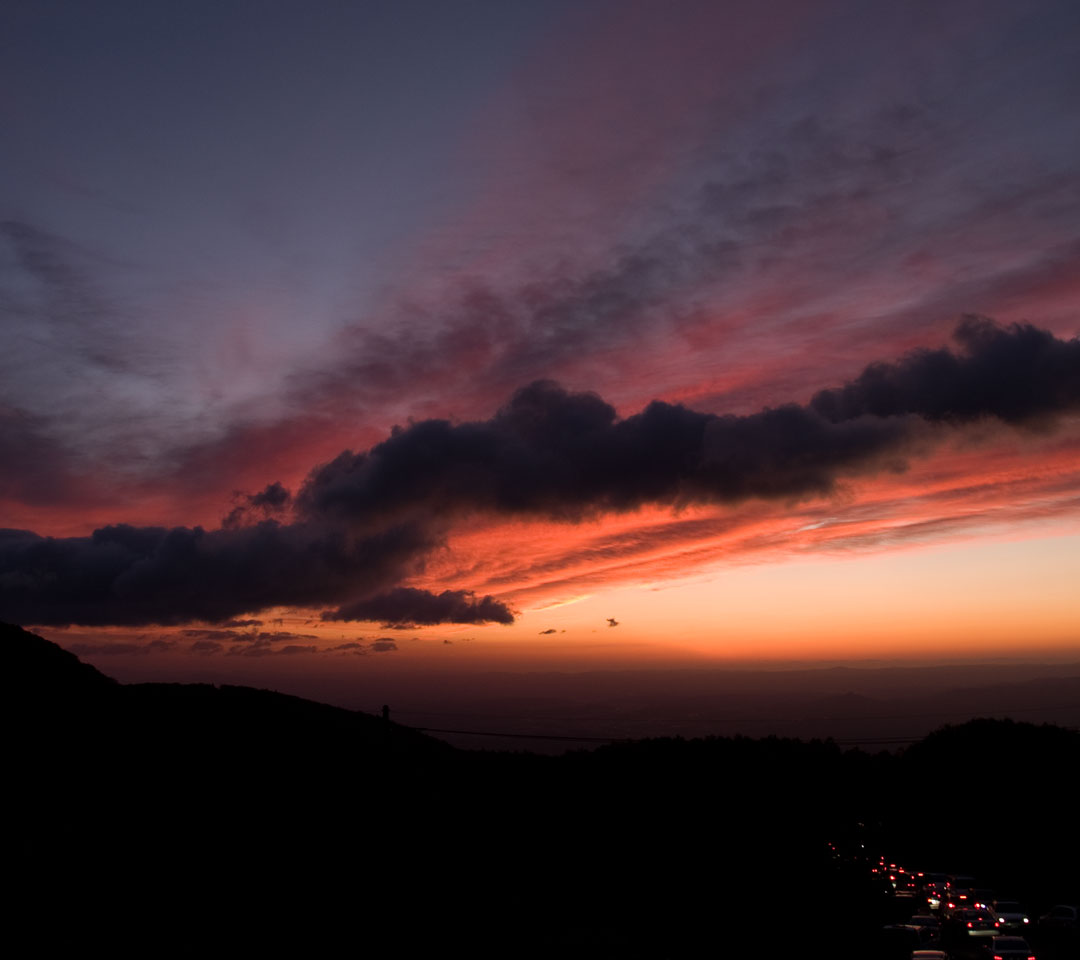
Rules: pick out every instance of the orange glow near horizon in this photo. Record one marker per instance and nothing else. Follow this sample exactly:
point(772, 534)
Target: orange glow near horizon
point(972, 551)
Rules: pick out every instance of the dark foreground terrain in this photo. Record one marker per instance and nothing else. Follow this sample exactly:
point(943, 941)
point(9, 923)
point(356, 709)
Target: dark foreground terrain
point(161, 819)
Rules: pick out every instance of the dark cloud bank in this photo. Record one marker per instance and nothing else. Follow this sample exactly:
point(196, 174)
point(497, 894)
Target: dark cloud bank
point(408, 607)
point(364, 522)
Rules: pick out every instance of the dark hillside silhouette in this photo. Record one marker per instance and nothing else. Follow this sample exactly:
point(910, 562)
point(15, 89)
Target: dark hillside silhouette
point(163, 818)
point(36, 670)
point(1013, 782)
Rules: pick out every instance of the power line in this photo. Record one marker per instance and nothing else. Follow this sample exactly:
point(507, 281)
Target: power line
point(525, 736)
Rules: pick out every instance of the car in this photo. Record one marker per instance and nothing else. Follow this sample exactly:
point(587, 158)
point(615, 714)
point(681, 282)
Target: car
point(934, 892)
point(969, 923)
point(932, 881)
point(900, 939)
point(929, 955)
point(959, 881)
point(1012, 916)
point(926, 922)
point(906, 884)
point(1061, 917)
point(1011, 948)
point(958, 894)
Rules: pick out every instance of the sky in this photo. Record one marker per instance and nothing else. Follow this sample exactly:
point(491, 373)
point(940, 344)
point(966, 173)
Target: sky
point(445, 336)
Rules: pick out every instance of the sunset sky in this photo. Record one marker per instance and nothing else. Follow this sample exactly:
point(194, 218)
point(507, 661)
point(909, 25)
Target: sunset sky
point(539, 334)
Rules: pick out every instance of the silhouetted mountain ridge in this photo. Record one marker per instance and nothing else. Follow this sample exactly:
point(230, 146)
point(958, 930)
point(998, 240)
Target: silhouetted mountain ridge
point(43, 678)
point(181, 814)
point(33, 666)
